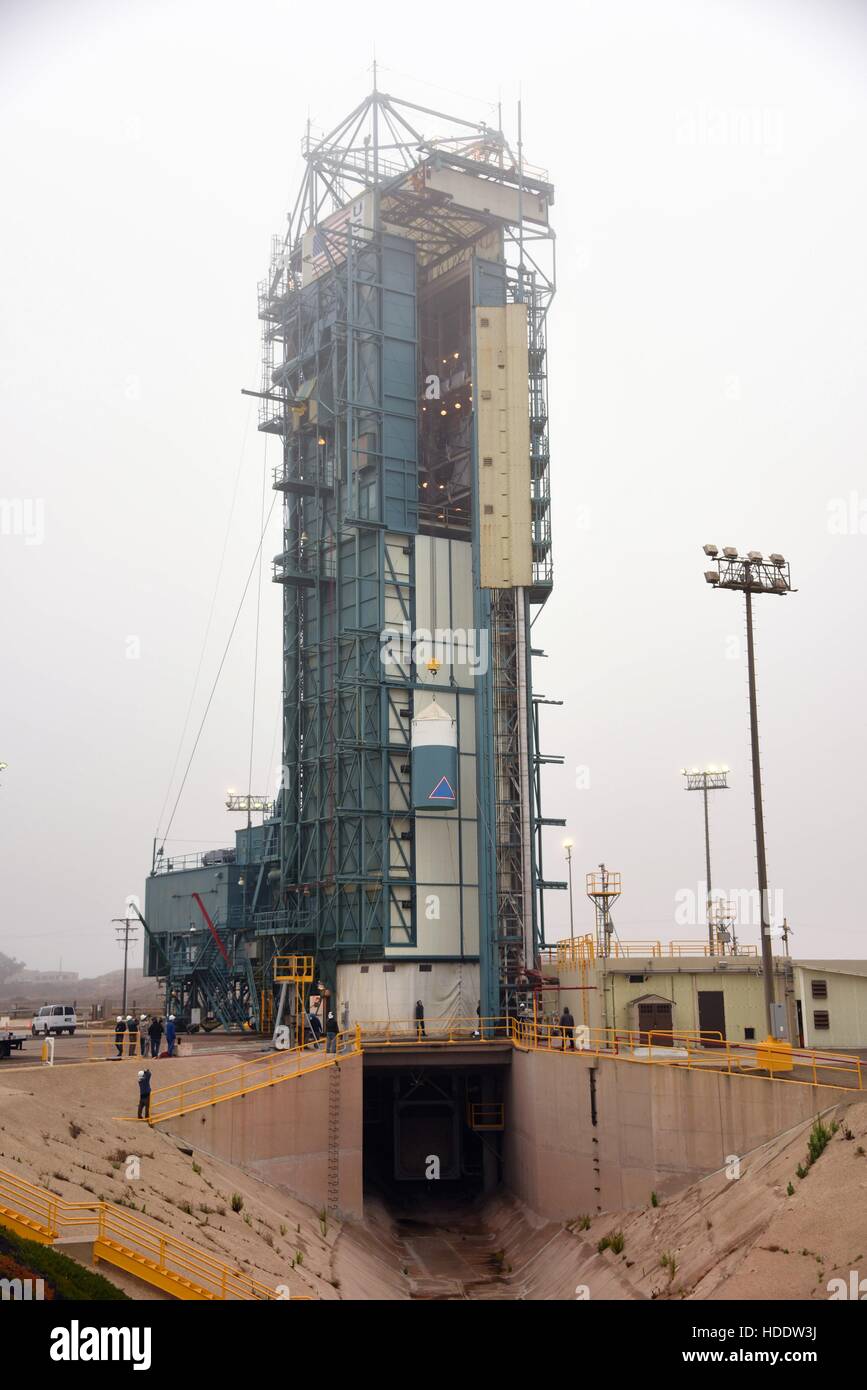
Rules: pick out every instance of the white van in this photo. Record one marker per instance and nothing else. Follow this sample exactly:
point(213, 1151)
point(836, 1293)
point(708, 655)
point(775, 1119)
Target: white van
point(54, 1018)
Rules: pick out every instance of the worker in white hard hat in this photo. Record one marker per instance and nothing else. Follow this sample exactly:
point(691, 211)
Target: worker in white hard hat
point(131, 1035)
point(119, 1032)
point(144, 1094)
point(170, 1035)
point(143, 1035)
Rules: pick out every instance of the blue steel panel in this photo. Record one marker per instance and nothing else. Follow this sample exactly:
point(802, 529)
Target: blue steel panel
point(399, 387)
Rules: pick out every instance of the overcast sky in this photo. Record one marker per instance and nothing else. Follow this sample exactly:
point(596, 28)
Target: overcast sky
point(708, 350)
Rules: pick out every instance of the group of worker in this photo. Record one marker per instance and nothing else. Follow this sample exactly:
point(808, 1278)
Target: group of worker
point(145, 1035)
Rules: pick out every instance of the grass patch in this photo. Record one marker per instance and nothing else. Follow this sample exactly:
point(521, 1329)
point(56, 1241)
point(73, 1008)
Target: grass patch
point(614, 1242)
point(65, 1280)
point(820, 1138)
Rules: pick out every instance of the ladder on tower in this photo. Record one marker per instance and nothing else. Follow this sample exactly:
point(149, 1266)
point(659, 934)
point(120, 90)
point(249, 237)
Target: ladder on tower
point(334, 1140)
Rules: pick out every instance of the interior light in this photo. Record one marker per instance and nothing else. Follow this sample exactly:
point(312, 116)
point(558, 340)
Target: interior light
point(457, 405)
point(456, 355)
point(424, 484)
point(443, 411)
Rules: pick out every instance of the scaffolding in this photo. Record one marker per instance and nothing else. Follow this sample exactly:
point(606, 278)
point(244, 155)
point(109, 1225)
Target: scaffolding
point(396, 235)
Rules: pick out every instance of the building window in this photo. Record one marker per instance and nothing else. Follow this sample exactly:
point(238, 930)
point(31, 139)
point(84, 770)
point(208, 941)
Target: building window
point(819, 989)
point(749, 1034)
point(821, 1019)
point(637, 979)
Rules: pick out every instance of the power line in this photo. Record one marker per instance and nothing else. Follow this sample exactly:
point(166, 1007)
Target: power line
point(219, 672)
point(209, 622)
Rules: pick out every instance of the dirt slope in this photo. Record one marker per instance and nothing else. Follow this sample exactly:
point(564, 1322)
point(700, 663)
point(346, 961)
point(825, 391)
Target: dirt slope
point(729, 1238)
point(57, 1129)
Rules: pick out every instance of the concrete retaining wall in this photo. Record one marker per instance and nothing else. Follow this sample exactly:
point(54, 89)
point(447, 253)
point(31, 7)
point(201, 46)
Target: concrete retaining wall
point(657, 1128)
point(280, 1134)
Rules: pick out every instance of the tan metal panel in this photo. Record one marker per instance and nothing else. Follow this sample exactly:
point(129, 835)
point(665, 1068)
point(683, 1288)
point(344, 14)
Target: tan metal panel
point(485, 195)
point(502, 407)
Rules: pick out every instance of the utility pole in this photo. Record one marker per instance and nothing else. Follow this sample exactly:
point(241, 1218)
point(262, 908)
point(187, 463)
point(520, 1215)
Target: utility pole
point(751, 574)
point(123, 939)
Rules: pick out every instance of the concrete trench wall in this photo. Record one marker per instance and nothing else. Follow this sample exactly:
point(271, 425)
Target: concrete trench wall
point(280, 1134)
point(657, 1128)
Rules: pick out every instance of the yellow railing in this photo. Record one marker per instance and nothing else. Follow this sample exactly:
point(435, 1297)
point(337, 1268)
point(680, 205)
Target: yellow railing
point(575, 950)
point(181, 1097)
point(485, 1115)
point(581, 950)
point(700, 1051)
point(125, 1240)
point(103, 1046)
point(289, 969)
point(675, 949)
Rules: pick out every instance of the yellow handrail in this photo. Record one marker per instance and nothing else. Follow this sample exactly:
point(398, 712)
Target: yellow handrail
point(127, 1239)
point(181, 1097)
point(702, 1050)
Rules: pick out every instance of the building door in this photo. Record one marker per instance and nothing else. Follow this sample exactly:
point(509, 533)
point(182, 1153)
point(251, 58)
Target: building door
point(711, 1014)
point(656, 1014)
point(800, 1025)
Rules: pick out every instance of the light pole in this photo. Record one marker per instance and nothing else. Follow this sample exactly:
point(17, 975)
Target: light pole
point(712, 779)
point(752, 574)
point(567, 845)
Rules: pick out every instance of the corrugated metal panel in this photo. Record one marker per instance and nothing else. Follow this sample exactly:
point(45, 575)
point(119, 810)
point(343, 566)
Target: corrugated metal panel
point(502, 406)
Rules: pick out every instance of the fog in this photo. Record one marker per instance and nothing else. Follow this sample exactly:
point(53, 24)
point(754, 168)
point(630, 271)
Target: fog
point(708, 347)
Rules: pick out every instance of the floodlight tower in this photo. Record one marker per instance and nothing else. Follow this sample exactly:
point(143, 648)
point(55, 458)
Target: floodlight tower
point(711, 779)
point(752, 574)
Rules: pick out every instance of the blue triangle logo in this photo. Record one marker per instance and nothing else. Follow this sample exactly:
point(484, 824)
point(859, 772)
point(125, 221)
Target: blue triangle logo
point(442, 791)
